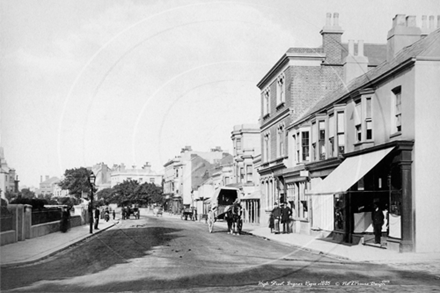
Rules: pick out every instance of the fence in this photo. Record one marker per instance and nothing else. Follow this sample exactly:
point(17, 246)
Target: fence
point(45, 216)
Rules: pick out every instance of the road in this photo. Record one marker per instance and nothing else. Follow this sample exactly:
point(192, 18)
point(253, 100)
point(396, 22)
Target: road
point(152, 254)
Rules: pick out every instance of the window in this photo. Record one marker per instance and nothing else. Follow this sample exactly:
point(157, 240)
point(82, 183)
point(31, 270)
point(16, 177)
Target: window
point(296, 139)
point(321, 140)
point(151, 180)
point(249, 173)
point(368, 119)
point(280, 90)
point(358, 120)
point(280, 150)
point(331, 135)
point(238, 144)
point(314, 140)
point(397, 111)
point(305, 145)
point(266, 147)
point(341, 132)
point(266, 102)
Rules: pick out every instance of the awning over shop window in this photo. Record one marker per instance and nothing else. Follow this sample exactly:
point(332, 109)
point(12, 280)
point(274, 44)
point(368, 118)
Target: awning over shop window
point(349, 172)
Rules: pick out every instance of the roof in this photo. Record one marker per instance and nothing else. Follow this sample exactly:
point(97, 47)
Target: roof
point(425, 47)
point(376, 53)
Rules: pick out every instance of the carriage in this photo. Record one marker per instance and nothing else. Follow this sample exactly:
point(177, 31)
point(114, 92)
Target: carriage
point(225, 205)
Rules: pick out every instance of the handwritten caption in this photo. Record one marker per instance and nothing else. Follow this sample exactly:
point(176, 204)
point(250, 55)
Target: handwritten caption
point(322, 283)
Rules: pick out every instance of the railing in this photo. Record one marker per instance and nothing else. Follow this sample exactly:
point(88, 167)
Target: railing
point(45, 216)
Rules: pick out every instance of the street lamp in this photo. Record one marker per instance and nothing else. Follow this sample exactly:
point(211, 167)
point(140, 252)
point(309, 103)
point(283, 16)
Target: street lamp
point(91, 178)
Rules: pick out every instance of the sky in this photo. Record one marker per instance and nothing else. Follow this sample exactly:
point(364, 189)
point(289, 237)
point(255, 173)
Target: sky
point(84, 82)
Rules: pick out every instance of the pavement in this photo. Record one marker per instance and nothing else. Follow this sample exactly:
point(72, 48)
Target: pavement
point(35, 249)
point(32, 250)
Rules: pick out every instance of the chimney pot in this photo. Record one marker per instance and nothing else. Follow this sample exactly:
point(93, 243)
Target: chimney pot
point(327, 20)
point(335, 19)
point(399, 20)
point(350, 47)
point(431, 22)
point(424, 22)
point(410, 21)
point(361, 48)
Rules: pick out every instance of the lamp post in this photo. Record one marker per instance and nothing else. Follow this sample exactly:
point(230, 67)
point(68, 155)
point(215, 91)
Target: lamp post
point(91, 178)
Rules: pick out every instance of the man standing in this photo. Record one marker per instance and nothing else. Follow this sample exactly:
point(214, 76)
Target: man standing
point(286, 213)
point(97, 213)
point(276, 213)
point(378, 220)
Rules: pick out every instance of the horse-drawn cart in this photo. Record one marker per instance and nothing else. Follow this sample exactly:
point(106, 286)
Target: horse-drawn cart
point(225, 204)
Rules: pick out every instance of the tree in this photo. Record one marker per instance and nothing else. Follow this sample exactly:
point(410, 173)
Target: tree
point(107, 195)
point(124, 193)
point(76, 181)
point(27, 193)
point(10, 195)
point(150, 193)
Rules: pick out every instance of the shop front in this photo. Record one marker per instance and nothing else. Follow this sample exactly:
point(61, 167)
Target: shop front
point(378, 179)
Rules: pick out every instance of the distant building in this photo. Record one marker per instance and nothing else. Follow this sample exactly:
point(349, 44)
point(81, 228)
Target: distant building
point(120, 174)
point(8, 178)
point(48, 186)
point(103, 176)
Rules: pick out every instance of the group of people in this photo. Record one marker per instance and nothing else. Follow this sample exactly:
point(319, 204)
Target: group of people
point(280, 214)
point(106, 216)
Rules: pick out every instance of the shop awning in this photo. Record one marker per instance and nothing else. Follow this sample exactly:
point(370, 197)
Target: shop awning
point(349, 172)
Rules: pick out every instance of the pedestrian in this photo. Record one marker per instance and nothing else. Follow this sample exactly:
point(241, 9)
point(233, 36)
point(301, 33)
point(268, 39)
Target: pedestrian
point(271, 222)
point(276, 212)
point(286, 213)
point(97, 213)
point(114, 214)
point(378, 220)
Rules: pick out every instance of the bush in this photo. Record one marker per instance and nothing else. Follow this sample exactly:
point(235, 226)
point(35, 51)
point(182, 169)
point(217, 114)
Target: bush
point(34, 202)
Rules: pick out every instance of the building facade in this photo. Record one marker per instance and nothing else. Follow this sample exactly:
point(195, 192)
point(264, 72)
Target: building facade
point(120, 174)
point(368, 142)
point(297, 81)
point(8, 178)
point(247, 146)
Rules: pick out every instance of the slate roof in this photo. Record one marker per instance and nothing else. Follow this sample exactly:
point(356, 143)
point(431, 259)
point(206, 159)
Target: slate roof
point(426, 47)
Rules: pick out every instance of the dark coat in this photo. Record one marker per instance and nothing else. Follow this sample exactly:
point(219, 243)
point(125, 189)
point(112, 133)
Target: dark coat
point(286, 212)
point(97, 213)
point(377, 216)
point(276, 212)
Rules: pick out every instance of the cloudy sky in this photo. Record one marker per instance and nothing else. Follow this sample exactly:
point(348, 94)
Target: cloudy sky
point(83, 82)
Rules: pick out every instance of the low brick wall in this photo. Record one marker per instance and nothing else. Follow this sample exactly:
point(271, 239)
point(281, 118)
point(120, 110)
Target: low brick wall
point(75, 221)
point(44, 229)
point(7, 237)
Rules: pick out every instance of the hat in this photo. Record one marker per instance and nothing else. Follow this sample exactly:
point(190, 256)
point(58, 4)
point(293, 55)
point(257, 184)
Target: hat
point(275, 204)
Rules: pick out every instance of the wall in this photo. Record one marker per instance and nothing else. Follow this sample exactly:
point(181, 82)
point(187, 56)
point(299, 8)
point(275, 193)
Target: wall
point(426, 160)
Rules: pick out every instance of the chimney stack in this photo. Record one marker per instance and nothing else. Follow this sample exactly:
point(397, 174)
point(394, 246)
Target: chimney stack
point(331, 39)
point(403, 33)
point(355, 65)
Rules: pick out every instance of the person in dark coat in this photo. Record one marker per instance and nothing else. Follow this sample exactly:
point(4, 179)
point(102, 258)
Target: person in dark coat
point(286, 213)
point(378, 220)
point(97, 213)
point(276, 212)
point(271, 223)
